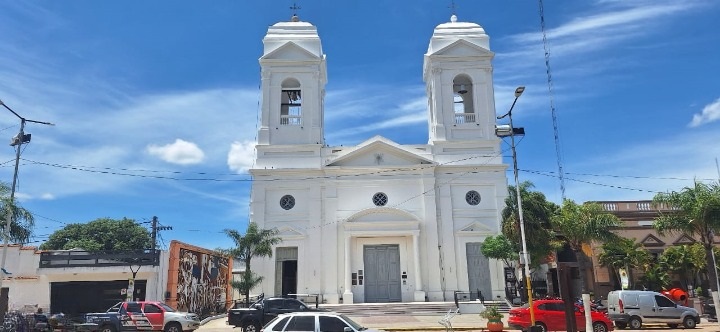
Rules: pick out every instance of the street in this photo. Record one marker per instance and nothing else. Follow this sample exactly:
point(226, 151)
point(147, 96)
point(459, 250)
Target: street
point(408, 323)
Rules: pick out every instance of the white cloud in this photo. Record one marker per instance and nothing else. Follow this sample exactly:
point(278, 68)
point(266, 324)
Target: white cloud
point(710, 113)
point(241, 156)
point(180, 152)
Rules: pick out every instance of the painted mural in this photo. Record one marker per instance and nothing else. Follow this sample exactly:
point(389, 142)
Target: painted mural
point(200, 284)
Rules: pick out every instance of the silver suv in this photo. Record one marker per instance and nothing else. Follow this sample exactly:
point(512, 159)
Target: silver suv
point(633, 308)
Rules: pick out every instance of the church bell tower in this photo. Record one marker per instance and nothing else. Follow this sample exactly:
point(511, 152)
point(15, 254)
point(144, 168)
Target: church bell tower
point(294, 75)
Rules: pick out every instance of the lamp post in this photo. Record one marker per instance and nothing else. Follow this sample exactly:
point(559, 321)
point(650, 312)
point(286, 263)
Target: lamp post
point(18, 141)
point(504, 131)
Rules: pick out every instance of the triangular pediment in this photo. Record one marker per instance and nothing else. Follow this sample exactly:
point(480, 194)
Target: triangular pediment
point(378, 151)
point(652, 241)
point(461, 48)
point(476, 227)
point(684, 239)
point(291, 52)
point(289, 233)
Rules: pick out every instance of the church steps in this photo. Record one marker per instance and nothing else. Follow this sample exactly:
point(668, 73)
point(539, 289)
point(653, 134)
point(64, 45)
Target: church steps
point(403, 308)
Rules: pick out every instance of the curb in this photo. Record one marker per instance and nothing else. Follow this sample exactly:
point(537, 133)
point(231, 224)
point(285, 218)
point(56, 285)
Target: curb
point(212, 318)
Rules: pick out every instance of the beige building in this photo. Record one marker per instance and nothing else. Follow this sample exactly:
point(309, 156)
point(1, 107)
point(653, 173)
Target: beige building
point(637, 223)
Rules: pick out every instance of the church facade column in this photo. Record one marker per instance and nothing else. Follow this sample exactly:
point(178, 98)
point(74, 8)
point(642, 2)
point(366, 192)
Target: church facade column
point(347, 294)
point(419, 295)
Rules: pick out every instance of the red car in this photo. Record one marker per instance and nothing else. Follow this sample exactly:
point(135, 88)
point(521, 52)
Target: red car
point(550, 316)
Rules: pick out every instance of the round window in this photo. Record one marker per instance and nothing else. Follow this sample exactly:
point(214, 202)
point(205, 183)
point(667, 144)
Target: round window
point(287, 202)
point(472, 197)
point(380, 199)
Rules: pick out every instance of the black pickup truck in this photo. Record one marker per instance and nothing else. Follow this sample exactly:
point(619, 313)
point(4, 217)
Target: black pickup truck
point(265, 309)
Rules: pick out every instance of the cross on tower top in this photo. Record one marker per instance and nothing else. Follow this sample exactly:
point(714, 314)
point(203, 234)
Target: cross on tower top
point(452, 7)
point(295, 8)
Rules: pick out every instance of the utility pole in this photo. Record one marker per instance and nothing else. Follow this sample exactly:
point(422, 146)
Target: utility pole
point(16, 141)
point(155, 229)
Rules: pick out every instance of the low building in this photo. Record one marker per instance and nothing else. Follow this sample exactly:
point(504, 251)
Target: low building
point(76, 281)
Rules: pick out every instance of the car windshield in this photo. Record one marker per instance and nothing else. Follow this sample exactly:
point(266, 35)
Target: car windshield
point(352, 323)
point(166, 307)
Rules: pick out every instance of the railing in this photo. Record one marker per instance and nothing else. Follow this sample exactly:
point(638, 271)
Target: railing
point(72, 258)
point(464, 118)
point(291, 120)
point(468, 296)
point(610, 206)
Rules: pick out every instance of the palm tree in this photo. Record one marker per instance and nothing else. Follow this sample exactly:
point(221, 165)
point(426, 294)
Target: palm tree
point(623, 254)
point(537, 211)
point(22, 222)
point(255, 243)
point(694, 211)
point(582, 224)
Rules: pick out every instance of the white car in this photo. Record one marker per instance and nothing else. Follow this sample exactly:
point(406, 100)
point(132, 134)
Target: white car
point(314, 322)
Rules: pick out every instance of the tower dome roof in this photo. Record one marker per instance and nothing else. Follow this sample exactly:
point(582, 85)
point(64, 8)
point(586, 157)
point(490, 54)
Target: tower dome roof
point(301, 33)
point(447, 33)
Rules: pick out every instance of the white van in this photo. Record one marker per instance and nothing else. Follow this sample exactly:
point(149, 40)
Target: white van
point(633, 308)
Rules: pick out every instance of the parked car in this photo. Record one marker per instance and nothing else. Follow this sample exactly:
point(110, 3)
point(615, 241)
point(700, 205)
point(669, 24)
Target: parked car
point(264, 310)
point(632, 308)
point(145, 316)
point(550, 316)
point(314, 322)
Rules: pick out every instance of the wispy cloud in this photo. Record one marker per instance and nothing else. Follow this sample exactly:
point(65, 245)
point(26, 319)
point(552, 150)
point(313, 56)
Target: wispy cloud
point(710, 113)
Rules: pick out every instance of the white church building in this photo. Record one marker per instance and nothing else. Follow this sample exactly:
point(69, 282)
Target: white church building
point(380, 221)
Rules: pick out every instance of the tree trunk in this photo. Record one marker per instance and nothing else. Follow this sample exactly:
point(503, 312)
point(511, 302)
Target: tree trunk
point(247, 276)
point(712, 275)
point(583, 290)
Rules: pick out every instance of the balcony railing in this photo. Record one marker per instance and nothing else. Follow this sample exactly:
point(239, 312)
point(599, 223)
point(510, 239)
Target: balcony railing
point(464, 118)
point(76, 258)
point(291, 120)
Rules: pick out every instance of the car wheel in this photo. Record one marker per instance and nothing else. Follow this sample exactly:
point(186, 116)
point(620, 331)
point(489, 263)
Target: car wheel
point(689, 322)
point(541, 327)
point(251, 327)
point(599, 327)
point(620, 325)
point(635, 323)
point(672, 326)
point(173, 327)
point(107, 328)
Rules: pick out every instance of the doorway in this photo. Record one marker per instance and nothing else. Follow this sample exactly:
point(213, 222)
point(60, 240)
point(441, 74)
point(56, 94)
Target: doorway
point(286, 267)
point(382, 273)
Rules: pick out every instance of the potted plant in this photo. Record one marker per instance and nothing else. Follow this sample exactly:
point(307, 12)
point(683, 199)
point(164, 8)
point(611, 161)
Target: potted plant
point(494, 318)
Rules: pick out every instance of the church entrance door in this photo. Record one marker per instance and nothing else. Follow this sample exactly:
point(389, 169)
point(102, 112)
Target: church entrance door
point(286, 271)
point(478, 270)
point(382, 273)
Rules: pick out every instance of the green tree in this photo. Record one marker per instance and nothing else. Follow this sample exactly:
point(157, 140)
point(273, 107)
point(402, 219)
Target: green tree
point(537, 212)
point(580, 225)
point(101, 234)
point(22, 222)
point(694, 211)
point(499, 247)
point(255, 242)
point(686, 261)
point(655, 276)
point(623, 253)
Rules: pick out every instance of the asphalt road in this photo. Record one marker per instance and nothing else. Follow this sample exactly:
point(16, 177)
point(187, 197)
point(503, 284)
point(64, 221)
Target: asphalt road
point(430, 323)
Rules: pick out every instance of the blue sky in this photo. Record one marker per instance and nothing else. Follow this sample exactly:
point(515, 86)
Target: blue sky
point(156, 102)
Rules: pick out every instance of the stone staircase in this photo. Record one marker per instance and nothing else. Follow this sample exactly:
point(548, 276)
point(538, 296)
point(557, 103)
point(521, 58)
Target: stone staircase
point(403, 308)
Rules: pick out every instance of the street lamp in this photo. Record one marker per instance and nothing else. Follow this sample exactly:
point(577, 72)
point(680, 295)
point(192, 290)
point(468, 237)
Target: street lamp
point(505, 131)
point(17, 141)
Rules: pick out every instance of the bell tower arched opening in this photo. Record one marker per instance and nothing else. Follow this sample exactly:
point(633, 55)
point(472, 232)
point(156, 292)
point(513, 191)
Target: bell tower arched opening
point(291, 103)
point(463, 99)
